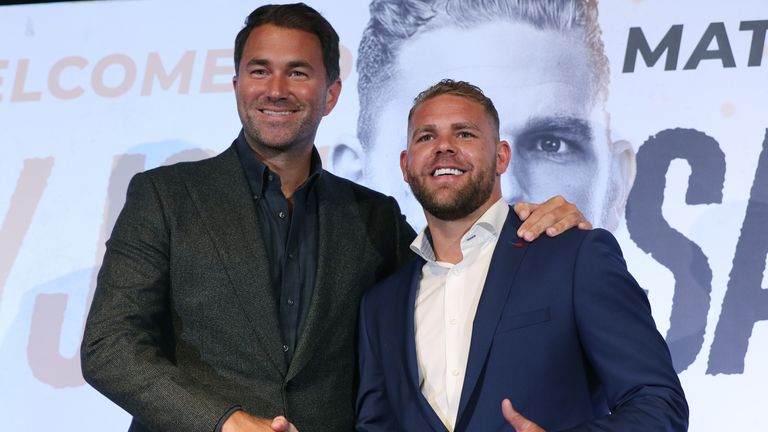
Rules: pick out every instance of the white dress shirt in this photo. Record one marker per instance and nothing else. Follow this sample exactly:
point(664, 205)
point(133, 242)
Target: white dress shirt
point(446, 303)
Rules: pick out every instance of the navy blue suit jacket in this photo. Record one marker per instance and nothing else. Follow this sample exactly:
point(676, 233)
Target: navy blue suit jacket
point(562, 330)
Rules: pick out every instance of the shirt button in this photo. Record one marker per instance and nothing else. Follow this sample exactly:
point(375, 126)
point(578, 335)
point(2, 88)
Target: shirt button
point(290, 301)
point(270, 177)
point(285, 348)
point(281, 215)
point(290, 256)
point(256, 196)
point(455, 372)
point(452, 321)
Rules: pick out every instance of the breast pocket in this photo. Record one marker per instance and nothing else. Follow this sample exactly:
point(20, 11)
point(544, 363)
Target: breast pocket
point(523, 319)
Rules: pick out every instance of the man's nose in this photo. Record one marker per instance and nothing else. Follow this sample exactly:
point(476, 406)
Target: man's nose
point(277, 88)
point(445, 145)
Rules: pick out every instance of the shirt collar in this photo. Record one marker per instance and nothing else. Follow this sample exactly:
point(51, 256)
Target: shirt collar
point(256, 170)
point(486, 228)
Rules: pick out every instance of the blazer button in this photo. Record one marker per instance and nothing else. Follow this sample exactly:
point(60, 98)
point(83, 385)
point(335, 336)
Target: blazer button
point(285, 348)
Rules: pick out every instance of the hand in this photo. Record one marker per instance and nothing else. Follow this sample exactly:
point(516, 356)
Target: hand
point(240, 421)
point(281, 424)
point(554, 215)
point(520, 423)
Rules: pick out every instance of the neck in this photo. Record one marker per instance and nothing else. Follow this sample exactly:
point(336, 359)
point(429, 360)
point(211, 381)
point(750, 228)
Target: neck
point(292, 165)
point(446, 235)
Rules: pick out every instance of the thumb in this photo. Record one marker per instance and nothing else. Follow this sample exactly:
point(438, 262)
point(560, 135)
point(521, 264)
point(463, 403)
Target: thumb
point(279, 424)
point(520, 423)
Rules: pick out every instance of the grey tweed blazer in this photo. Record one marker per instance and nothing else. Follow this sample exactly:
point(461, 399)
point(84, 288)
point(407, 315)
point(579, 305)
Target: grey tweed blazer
point(184, 324)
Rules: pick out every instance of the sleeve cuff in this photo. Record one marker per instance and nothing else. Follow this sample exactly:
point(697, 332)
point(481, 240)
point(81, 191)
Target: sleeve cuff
point(226, 415)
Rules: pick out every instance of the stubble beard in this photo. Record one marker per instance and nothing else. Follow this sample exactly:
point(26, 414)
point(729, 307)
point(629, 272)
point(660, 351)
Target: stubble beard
point(461, 203)
point(293, 135)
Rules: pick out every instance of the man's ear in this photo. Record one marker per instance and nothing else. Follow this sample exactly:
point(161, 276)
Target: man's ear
point(404, 164)
point(332, 96)
point(503, 156)
point(622, 177)
point(346, 159)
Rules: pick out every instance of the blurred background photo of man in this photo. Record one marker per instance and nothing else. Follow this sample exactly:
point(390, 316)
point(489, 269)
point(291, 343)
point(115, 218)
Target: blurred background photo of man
point(541, 61)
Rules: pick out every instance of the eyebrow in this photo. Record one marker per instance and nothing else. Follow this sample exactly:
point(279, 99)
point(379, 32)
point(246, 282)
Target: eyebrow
point(291, 64)
point(563, 124)
point(454, 127)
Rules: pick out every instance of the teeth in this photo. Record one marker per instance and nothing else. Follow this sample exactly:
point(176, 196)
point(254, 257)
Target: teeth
point(447, 171)
point(277, 113)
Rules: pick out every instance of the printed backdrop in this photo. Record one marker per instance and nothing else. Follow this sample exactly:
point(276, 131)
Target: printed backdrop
point(93, 92)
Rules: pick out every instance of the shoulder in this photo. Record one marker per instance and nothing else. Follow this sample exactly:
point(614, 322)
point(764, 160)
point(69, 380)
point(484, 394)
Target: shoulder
point(338, 184)
point(583, 241)
point(598, 242)
point(222, 170)
point(224, 162)
point(380, 212)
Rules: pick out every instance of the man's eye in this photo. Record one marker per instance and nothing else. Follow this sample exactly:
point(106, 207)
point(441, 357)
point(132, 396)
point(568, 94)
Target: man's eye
point(298, 74)
point(425, 137)
point(550, 147)
point(258, 72)
point(465, 134)
point(550, 144)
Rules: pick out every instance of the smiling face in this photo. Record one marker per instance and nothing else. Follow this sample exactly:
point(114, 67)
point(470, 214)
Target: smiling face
point(541, 83)
point(454, 158)
point(281, 89)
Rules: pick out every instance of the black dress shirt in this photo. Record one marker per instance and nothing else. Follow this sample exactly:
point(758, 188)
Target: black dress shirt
point(290, 237)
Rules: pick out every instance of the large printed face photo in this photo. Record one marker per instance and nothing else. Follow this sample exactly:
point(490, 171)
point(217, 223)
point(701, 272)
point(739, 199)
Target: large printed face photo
point(548, 85)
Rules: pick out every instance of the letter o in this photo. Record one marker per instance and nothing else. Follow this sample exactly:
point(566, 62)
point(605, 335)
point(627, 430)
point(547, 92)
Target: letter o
point(97, 77)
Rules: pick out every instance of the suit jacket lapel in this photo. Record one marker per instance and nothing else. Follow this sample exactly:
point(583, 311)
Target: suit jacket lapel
point(338, 219)
point(408, 333)
point(410, 358)
point(224, 201)
point(501, 275)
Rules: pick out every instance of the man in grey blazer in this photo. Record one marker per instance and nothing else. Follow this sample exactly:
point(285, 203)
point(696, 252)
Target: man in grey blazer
point(229, 291)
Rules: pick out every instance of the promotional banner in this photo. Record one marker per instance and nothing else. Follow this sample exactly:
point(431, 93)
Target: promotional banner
point(650, 116)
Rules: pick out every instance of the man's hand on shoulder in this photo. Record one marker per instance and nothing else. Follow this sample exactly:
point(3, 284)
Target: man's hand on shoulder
point(520, 423)
point(240, 421)
point(554, 216)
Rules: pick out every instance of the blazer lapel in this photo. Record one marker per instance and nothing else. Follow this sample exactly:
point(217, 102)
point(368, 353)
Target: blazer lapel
point(501, 275)
point(337, 219)
point(224, 201)
point(411, 365)
point(408, 333)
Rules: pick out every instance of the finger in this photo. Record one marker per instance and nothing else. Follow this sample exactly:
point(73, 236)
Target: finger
point(513, 417)
point(523, 210)
point(520, 423)
point(508, 410)
point(541, 217)
point(554, 216)
point(567, 222)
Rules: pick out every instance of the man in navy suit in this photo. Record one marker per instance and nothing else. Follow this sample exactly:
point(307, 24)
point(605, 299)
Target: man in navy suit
point(484, 320)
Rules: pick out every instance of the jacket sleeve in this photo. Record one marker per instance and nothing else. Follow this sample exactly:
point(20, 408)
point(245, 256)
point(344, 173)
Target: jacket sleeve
point(405, 235)
point(128, 346)
point(374, 410)
point(619, 336)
